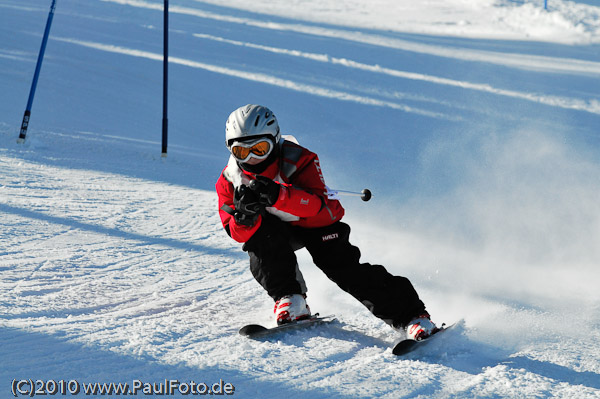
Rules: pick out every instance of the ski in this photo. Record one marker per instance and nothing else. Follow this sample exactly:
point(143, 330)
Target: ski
point(256, 330)
point(408, 345)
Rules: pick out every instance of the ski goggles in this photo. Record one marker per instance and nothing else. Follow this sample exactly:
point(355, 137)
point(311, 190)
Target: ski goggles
point(259, 149)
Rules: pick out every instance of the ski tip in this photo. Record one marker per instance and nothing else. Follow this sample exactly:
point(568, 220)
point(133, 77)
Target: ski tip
point(252, 329)
point(404, 346)
point(408, 345)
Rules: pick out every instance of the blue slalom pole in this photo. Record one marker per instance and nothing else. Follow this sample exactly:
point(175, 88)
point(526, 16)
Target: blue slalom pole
point(165, 121)
point(36, 75)
point(545, 4)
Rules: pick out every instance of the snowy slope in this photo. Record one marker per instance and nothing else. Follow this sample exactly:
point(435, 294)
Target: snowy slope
point(475, 123)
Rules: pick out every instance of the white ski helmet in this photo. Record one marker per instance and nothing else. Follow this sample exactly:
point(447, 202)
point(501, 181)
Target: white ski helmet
point(251, 121)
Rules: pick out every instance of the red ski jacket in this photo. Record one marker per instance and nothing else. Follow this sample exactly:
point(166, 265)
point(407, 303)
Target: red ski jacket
point(302, 197)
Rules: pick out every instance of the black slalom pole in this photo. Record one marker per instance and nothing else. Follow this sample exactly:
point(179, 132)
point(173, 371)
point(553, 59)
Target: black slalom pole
point(36, 75)
point(165, 122)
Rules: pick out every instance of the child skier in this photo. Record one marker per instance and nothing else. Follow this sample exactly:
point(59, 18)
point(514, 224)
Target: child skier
point(272, 198)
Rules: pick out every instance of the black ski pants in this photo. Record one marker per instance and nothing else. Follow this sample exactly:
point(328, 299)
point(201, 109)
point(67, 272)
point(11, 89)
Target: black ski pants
point(273, 264)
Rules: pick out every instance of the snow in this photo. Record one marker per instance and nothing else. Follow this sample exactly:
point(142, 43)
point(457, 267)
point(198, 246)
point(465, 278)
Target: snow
point(474, 123)
point(563, 22)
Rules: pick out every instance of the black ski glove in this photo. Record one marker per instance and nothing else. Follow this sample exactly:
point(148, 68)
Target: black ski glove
point(245, 220)
point(266, 189)
point(247, 206)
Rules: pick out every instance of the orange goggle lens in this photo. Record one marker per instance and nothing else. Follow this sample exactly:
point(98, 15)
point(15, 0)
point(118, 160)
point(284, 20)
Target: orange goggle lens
point(258, 150)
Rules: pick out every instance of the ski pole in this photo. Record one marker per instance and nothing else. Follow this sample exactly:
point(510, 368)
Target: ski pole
point(364, 195)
